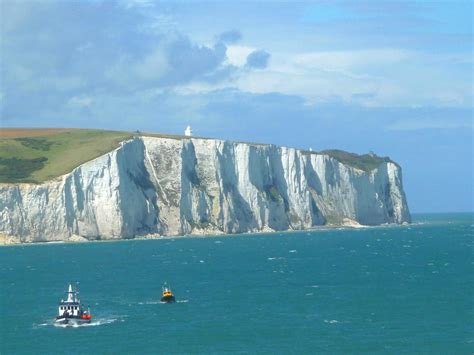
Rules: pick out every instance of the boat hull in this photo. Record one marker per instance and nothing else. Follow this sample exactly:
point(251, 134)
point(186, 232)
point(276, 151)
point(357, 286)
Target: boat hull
point(71, 320)
point(168, 299)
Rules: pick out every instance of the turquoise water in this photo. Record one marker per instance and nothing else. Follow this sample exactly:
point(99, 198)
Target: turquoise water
point(382, 290)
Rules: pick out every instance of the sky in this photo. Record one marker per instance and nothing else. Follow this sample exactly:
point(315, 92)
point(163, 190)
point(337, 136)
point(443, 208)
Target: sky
point(394, 77)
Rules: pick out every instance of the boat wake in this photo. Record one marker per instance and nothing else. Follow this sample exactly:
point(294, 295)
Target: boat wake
point(41, 325)
point(178, 301)
point(335, 321)
point(161, 302)
point(150, 302)
point(94, 323)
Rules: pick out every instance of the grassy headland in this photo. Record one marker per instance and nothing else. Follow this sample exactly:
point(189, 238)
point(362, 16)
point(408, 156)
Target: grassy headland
point(37, 155)
point(365, 162)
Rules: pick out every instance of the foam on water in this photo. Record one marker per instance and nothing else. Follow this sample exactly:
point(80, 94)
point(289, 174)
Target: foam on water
point(160, 302)
point(95, 323)
point(150, 302)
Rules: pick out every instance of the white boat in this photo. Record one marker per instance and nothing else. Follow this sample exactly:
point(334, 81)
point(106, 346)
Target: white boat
point(71, 311)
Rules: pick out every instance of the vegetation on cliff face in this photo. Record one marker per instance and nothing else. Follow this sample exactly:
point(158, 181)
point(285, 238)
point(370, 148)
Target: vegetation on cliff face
point(365, 162)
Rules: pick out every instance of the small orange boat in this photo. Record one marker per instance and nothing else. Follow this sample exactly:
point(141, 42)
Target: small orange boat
point(167, 295)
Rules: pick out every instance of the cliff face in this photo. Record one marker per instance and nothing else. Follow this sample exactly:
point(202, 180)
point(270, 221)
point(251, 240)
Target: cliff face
point(195, 186)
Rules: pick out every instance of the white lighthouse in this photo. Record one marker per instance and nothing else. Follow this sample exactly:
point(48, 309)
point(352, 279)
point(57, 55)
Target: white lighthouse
point(188, 131)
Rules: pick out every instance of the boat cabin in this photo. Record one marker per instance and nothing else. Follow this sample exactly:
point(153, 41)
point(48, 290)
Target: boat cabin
point(71, 306)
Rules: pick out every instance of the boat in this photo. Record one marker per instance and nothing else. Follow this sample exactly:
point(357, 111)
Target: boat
point(71, 311)
point(167, 295)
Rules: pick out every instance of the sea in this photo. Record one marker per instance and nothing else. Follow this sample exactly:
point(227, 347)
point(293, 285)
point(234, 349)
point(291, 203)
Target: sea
point(389, 289)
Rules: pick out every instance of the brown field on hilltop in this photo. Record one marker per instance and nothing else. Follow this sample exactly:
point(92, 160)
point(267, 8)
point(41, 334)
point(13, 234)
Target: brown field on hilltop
point(31, 132)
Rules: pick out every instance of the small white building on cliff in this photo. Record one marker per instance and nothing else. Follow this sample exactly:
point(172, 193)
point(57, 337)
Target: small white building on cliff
point(188, 131)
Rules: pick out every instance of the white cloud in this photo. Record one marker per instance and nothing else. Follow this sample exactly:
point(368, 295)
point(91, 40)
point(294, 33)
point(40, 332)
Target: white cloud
point(237, 55)
point(153, 66)
point(438, 123)
point(81, 101)
point(129, 4)
point(373, 77)
point(350, 61)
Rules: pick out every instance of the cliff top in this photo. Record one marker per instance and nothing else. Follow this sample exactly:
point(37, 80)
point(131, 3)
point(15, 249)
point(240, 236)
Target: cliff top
point(34, 155)
point(37, 155)
point(365, 162)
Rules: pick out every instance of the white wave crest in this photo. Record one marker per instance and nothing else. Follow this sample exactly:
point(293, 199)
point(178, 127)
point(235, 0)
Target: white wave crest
point(95, 323)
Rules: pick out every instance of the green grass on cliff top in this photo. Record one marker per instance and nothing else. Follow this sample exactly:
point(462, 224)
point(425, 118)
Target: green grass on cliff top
point(365, 162)
point(37, 155)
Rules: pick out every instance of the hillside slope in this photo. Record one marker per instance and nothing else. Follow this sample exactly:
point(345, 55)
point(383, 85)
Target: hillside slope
point(37, 155)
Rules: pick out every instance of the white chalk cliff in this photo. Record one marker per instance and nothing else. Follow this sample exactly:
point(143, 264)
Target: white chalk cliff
point(161, 186)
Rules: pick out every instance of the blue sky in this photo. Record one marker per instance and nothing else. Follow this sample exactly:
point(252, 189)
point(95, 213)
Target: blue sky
point(395, 77)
